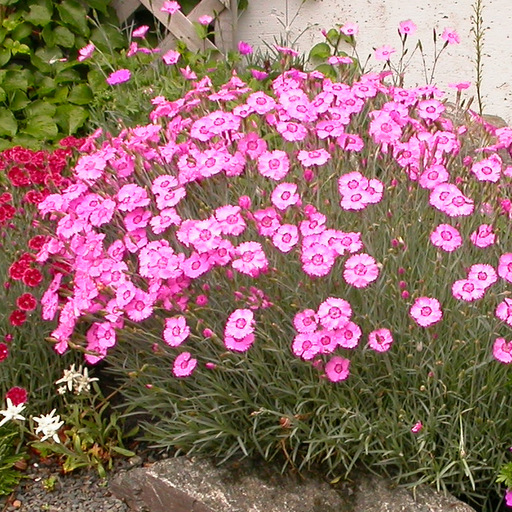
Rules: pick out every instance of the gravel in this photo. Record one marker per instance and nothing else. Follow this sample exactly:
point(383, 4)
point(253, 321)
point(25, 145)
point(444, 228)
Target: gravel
point(44, 488)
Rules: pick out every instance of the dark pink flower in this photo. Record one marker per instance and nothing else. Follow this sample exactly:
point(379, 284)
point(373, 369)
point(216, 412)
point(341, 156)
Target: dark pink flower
point(337, 369)
point(380, 340)
point(118, 77)
point(184, 365)
point(502, 350)
point(176, 331)
point(505, 267)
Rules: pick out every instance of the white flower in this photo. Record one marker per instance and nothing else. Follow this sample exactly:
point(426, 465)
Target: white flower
point(68, 378)
point(77, 381)
point(49, 425)
point(12, 412)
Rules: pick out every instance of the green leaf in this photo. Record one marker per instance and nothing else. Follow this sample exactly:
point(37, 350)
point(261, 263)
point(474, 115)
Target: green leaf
point(5, 56)
point(22, 31)
point(74, 14)
point(8, 2)
point(3, 96)
point(45, 58)
point(48, 35)
point(3, 33)
point(80, 95)
point(123, 451)
point(46, 86)
point(68, 75)
point(327, 70)
point(40, 13)
point(99, 5)
point(107, 38)
point(42, 128)
point(19, 101)
point(70, 118)
point(40, 108)
point(8, 125)
point(26, 141)
point(320, 51)
point(17, 79)
point(96, 80)
point(64, 37)
point(18, 47)
point(61, 94)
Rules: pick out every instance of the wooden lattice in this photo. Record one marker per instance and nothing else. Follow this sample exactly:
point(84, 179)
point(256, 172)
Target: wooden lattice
point(180, 27)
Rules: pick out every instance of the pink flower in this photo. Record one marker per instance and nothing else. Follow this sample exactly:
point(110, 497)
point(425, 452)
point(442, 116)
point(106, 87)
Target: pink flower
point(85, 52)
point(446, 237)
point(285, 195)
point(483, 274)
point(239, 344)
point(430, 109)
point(502, 350)
point(305, 321)
point(337, 369)
point(468, 290)
point(286, 237)
point(251, 259)
point(380, 340)
point(360, 270)
point(334, 313)
point(306, 346)
point(140, 31)
point(433, 176)
point(274, 164)
point(483, 236)
point(118, 77)
point(505, 267)
point(349, 335)
point(417, 427)
point(171, 57)
point(350, 29)
point(407, 28)
point(176, 331)
point(426, 311)
point(184, 365)
point(508, 498)
point(504, 311)
point(384, 52)
point(205, 20)
point(170, 7)
point(315, 157)
point(450, 36)
point(240, 324)
point(317, 259)
point(244, 48)
point(488, 169)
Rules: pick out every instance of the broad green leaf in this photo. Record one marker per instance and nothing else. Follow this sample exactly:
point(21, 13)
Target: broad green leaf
point(5, 143)
point(5, 56)
point(70, 118)
point(17, 79)
point(45, 86)
point(68, 75)
point(42, 127)
point(96, 80)
point(3, 33)
point(99, 5)
point(18, 101)
point(44, 59)
point(80, 95)
point(8, 125)
point(18, 47)
point(48, 35)
point(40, 13)
point(327, 70)
point(3, 96)
point(26, 141)
point(22, 31)
point(8, 2)
point(320, 51)
point(61, 94)
point(74, 14)
point(107, 38)
point(40, 108)
point(64, 37)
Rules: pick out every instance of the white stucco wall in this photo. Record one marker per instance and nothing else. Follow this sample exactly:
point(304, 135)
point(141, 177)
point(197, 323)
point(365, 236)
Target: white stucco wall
point(378, 22)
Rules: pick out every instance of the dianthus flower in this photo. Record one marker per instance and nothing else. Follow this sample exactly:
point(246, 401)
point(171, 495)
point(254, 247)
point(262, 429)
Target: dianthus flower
point(468, 290)
point(384, 52)
point(360, 270)
point(251, 259)
point(380, 340)
point(446, 237)
point(349, 335)
point(426, 311)
point(483, 236)
point(240, 324)
point(505, 267)
point(334, 313)
point(118, 77)
point(305, 321)
point(184, 365)
point(305, 345)
point(450, 36)
point(504, 311)
point(274, 164)
point(407, 28)
point(488, 169)
point(502, 350)
point(483, 274)
point(286, 237)
point(176, 331)
point(337, 369)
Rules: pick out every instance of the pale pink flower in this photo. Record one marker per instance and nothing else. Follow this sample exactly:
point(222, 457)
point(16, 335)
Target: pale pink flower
point(118, 77)
point(240, 324)
point(504, 311)
point(286, 237)
point(446, 237)
point(170, 7)
point(260, 102)
point(426, 311)
point(230, 220)
point(317, 259)
point(488, 169)
point(380, 340)
point(184, 365)
point(285, 195)
point(334, 313)
point(360, 270)
point(450, 36)
point(502, 350)
point(86, 52)
point(483, 274)
point(315, 157)
point(433, 176)
point(251, 259)
point(337, 369)
point(171, 57)
point(305, 345)
point(140, 31)
point(407, 28)
point(176, 331)
point(205, 20)
point(267, 221)
point(505, 267)
point(292, 132)
point(430, 109)
point(305, 321)
point(274, 164)
point(483, 236)
point(384, 52)
point(349, 335)
point(468, 290)
point(350, 29)
point(239, 344)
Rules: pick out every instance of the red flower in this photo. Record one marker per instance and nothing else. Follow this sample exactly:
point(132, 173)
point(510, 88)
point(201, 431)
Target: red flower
point(17, 318)
point(4, 351)
point(26, 302)
point(17, 270)
point(17, 395)
point(21, 155)
point(5, 197)
point(32, 277)
point(18, 177)
point(7, 212)
point(33, 197)
point(37, 242)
